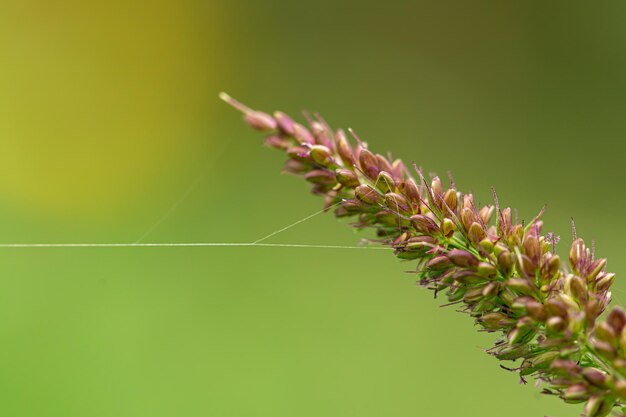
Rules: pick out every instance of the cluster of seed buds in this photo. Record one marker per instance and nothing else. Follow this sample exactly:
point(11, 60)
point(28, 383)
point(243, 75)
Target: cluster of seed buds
point(506, 275)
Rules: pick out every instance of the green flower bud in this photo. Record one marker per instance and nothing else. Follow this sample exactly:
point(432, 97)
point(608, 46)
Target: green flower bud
point(486, 270)
point(367, 194)
point(476, 232)
point(385, 182)
point(368, 163)
point(424, 224)
point(343, 149)
point(487, 245)
point(347, 178)
point(598, 406)
point(321, 155)
point(486, 213)
point(450, 198)
point(555, 324)
point(594, 376)
point(462, 258)
point(448, 227)
point(576, 393)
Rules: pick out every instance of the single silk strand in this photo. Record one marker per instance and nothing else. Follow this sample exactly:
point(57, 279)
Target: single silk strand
point(162, 245)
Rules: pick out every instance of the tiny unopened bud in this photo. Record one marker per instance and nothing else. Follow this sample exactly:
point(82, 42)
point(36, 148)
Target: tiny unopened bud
point(436, 187)
point(277, 142)
point(343, 148)
point(448, 227)
point(536, 310)
point(347, 178)
point(385, 182)
point(260, 121)
point(576, 393)
point(321, 155)
point(620, 388)
point(368, 163)
point(598, 406)
point(410, 191)
point(396, 202)
point(520, 286)
point(555, 324)
point(450, 198)
point(285, 123)
point(604, 281)
point(554, 265)
point(577, 251)
point(487, 245)
point(367, 194)
point(476, 232)
point(594, 376)
point(438, 263)
point(462, 258)
point(531, 247)
point(486, 270)
point(505, 261)
point(617, 319)
point(495, 321)
point(486, 213)
point(302, 134)
point(467, 217)
point(320, 176)
point(424, 224)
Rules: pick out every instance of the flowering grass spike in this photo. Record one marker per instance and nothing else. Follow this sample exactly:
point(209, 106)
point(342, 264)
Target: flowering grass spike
point(505, 275)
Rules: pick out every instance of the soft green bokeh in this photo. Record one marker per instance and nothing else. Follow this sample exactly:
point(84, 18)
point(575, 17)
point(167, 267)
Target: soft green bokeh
point(109, 115)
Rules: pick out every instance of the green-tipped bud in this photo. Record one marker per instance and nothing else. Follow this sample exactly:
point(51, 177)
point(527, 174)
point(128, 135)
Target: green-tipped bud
point(438, 263)
point(396, 202)
point(436, 187)
point(505, 261)
point(495, 321)
point(555, 324)
point(368, 164)
point(410, 191)
point(343, 149)
point(576, 393)
point(554, 265)
point(531, 247)
point(604, 281)
point(487, 245)
point(467, 218)
point(486, 270)
point(347, 178)
point(604, 348)
point(598, 406)
point(385, 182)
point(476, 232)
point(424, 224)
point(450, 198)
point(620, 389)
point(520, 286)
point(536, 310)
point(594, 376)
point(462, 258)
point(321, 155)
point(367, 194)
point(448, 227)
point(486, 213)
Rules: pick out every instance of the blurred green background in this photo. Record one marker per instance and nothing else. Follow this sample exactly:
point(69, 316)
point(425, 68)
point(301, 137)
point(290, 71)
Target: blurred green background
point(109, 117)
